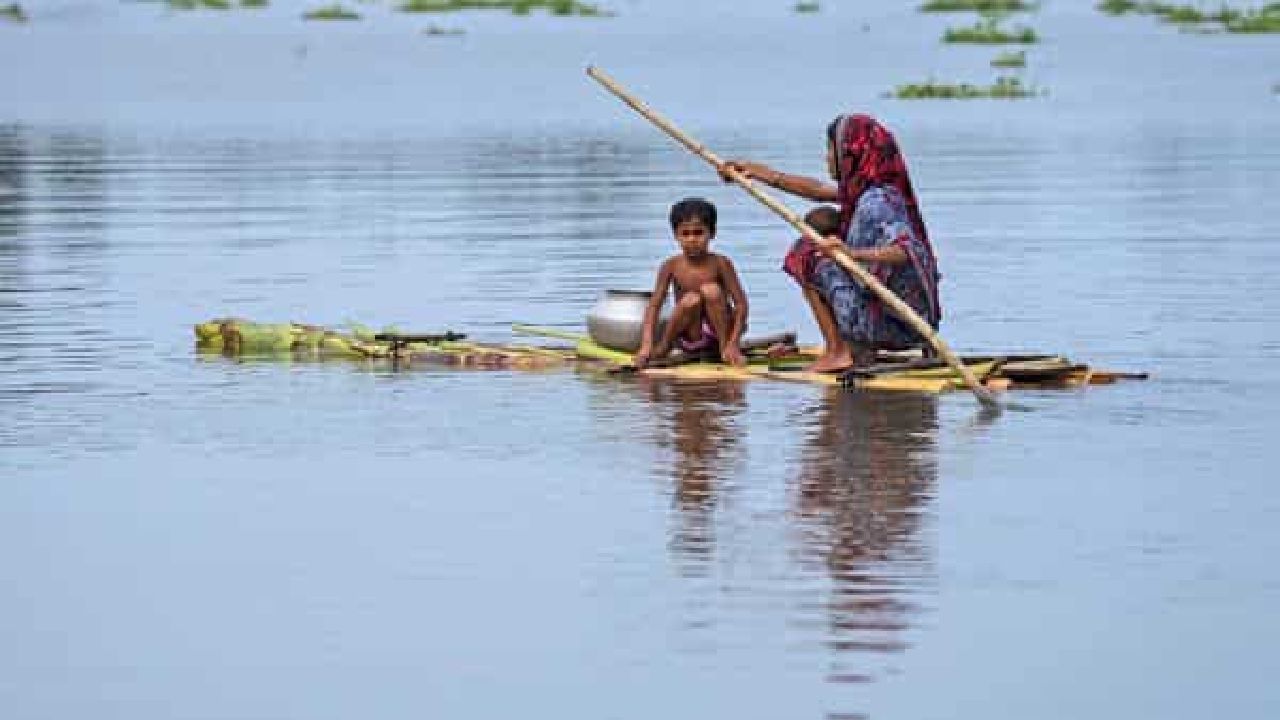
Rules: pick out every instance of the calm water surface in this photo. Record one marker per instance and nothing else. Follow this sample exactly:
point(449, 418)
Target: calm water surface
point(194, 538)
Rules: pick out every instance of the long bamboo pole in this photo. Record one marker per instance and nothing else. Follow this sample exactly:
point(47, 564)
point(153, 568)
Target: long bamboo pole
point(892, 301)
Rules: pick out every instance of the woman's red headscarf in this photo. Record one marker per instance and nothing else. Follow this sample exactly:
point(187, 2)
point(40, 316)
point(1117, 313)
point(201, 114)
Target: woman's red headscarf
point(868, 156)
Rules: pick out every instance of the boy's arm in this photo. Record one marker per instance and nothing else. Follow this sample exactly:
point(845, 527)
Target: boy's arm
point(660, 286)
point(738, 297)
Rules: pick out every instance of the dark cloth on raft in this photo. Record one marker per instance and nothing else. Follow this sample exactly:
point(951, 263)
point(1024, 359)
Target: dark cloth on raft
point(868, 161)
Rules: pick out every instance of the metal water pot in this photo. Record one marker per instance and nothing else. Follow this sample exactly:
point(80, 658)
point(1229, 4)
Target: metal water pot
point(617, 319)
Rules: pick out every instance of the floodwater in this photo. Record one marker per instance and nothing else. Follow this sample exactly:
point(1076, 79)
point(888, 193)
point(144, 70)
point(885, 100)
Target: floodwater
point(195, 538)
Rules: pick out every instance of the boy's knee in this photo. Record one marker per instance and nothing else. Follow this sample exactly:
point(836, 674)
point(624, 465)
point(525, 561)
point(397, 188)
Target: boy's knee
point(690, 301)
point(711, 292)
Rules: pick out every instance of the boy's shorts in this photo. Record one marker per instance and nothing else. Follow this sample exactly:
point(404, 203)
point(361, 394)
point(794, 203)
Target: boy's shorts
point(707, 341)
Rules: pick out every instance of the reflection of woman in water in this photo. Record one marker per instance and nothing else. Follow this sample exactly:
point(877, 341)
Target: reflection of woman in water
point(859, 501)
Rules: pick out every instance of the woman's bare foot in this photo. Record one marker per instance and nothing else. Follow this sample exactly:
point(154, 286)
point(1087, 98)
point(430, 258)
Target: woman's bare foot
point(832, 361)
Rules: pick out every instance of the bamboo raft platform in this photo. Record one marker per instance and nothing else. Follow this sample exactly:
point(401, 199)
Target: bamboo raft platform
point(907, 372)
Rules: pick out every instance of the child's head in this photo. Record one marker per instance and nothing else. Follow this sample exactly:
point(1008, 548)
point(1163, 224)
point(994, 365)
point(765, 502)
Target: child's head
point(694, 208)
point(825, 219)
point(693, 222)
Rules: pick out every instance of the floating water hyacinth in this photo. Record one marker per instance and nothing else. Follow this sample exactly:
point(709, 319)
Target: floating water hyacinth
point(1233, 20)
point(806, 7)
point(1010, 60)
point(1266, 20)
point(1003, 88)
point(214, 4)
point(199, 4)
point(989, 32)
point(331, 12)
point(517, 7)
point(14, 13)
point(1117, 7)
point(977, 5)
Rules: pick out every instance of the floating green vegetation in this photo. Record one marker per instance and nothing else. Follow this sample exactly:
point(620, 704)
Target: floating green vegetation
point(199, 4)
point(1117, 7)
point(977, 5)
point(331, 12)
point(989, 32)
point(213, 4)
point(13, 12)
point(806, 6)
point(437, 31)
point(1265, 20)
point(517, 7)
point(1004, 88)
point(1167, 12)
point(1010, 60)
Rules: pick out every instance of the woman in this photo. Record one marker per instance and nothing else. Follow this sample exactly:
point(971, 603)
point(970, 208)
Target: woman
point(880, 226)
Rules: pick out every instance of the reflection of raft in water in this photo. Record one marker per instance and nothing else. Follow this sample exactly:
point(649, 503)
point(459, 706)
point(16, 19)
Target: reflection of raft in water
point(892, 371)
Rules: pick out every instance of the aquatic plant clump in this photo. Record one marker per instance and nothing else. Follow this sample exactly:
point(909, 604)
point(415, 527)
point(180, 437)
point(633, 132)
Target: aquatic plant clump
point(1010, 60)
point(517, 7)
point(199, 4)
point(1117, 7)
point(977, 6)
point(1004, 88)
point(331, 12)
point(1265, 20)
point(213, 4)
point(806, 7)
point(989, 32)
point(13, 12)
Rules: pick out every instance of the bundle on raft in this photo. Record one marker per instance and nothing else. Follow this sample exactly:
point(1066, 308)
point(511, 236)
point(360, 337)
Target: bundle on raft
point(769, 358)
point(234, 337)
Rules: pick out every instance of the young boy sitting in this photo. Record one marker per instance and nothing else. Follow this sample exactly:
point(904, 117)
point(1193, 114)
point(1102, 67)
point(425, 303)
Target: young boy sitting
point(711, 309)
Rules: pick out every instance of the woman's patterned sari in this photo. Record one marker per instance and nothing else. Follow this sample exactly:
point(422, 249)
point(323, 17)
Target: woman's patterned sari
point(877, 209)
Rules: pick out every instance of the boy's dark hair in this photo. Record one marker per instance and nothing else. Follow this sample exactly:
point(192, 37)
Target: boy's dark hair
point(825, 219)
point(694, 208)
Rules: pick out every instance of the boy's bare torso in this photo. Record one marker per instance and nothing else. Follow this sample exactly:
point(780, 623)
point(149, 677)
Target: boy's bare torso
point(690, 275)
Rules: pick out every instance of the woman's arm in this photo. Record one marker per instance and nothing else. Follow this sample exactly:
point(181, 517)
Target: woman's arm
point(806, 187)
point(884, 255)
